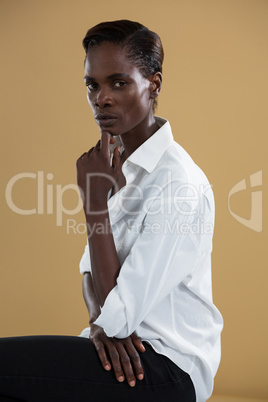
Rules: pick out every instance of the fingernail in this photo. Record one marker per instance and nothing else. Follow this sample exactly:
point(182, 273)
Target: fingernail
point(140, 376)
point(121, 378)
point(107, 367)
point(132, 383)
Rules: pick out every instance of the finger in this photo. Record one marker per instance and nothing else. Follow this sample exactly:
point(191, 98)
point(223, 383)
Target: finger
point(135, 360)
point(105, 141)
point(138, 343)
point(116, 158)
point(97, 146)
point(89, 152)
point(102, 355)
point(85, 153)
point(81, 156)
point(115, 360)
point(126, 363)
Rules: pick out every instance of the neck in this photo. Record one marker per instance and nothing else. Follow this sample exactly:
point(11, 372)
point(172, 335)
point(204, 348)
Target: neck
point(134, 138)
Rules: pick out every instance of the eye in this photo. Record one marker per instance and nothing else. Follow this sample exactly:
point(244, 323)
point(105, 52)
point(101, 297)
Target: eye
point(119, 84)
point(91, 86)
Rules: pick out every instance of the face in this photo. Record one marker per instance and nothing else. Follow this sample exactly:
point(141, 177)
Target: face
point(120, 97)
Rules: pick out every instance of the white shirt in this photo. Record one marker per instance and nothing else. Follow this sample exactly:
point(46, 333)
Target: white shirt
point(162, 223)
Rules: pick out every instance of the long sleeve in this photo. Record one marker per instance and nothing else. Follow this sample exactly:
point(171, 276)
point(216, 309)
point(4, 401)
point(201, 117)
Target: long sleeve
point(166, 252)
point(85, 264)
point(163, 223)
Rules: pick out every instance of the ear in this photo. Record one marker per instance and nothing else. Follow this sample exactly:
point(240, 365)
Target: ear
point(156, 85)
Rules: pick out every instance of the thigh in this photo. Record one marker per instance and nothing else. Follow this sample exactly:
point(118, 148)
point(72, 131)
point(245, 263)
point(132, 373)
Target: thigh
point(49, 368)
point(62, 357)
point(61, 368)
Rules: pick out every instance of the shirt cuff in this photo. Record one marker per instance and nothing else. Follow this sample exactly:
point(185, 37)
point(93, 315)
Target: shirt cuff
point(85, 265)
point(113, 316)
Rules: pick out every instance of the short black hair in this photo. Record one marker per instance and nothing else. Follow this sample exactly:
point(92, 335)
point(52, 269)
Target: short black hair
point(143, 47)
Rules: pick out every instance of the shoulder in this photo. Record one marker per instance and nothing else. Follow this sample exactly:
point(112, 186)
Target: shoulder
point(180, 177)
point(178, 164)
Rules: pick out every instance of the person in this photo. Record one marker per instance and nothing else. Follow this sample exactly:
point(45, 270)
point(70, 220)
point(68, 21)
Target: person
point(149, 210)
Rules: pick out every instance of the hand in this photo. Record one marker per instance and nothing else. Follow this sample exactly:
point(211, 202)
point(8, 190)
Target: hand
point(95, 175)
point(122, 355)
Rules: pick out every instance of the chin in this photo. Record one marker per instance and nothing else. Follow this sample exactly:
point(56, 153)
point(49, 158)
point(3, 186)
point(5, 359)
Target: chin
point(109, 130)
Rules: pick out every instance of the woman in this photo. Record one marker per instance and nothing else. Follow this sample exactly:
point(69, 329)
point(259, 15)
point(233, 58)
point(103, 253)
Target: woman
point(149, 210)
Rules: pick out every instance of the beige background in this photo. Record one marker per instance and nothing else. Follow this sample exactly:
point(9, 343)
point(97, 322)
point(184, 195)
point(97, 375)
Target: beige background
point(215, 96)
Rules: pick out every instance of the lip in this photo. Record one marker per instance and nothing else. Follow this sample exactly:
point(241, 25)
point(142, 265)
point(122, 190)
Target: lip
point(105, 119)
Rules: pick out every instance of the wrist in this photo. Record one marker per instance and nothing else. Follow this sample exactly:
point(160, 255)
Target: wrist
point(93, 318)
point(97, 226)
point(94, 209)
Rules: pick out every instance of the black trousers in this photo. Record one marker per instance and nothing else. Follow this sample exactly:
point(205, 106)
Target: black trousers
point(67, 369)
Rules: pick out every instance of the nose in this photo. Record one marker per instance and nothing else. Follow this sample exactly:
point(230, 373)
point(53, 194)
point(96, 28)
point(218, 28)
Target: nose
point(103, 98)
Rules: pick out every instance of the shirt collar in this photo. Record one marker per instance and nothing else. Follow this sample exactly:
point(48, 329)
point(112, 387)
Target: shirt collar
point(150, 152)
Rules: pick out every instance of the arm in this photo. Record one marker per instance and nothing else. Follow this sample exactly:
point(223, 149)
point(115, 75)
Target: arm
point(105, 266)
point(95, 177)
point(159, 260)
point(123, 353)
point(90, 298)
